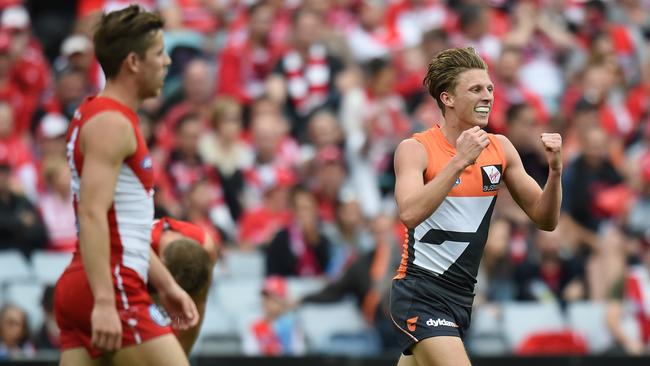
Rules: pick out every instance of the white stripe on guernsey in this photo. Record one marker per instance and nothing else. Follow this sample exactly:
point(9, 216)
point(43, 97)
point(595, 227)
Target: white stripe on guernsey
point(132, 322)
point(462, 214)
point(134, 215)
point(438, 258)
point(120, 287)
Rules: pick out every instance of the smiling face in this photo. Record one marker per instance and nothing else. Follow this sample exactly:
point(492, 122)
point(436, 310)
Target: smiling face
point(470, 102)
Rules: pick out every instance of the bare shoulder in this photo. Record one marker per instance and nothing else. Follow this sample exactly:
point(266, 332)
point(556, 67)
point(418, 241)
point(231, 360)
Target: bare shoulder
point(110, 131)
point(507, 146)
point(410, 152)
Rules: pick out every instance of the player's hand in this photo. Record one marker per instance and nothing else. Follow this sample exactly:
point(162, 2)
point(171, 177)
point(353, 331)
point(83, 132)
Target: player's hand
point(552, 143)
point(180, 307)
point(470, 143)
point(106, 327)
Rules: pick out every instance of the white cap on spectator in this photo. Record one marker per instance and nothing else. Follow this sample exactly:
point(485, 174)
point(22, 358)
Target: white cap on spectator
point(53, 125)
point(15, 17)
point(76, 43)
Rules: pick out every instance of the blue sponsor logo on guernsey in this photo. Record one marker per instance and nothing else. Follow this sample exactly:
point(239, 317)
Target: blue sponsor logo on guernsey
point(158, 316)
point(147, 163)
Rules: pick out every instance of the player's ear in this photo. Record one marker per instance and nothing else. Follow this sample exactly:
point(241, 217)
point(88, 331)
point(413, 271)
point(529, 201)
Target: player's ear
point(132, 62)
point(447, 99)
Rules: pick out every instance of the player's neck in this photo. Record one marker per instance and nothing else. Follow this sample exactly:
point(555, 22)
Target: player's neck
point(122, 93)
point(451, 129)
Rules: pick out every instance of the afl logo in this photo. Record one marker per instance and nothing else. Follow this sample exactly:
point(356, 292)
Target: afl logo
point(457, 182)
point(158, 316)
point(147, 163)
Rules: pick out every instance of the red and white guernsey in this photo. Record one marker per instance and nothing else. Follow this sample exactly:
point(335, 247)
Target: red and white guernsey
point(130, 217)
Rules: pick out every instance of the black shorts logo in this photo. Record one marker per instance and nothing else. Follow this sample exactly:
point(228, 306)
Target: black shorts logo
point(491, 177)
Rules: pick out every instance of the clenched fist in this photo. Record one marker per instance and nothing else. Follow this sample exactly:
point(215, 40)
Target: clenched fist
point(470, 143)
point(552, 143)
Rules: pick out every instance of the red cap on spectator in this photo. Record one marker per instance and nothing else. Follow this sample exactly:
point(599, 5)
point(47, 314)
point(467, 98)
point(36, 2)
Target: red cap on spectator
point(275, 286)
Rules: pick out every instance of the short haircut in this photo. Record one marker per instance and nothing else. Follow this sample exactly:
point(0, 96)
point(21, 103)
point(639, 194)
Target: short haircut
point(444, 69)
point(189, 264)
point(121, 32)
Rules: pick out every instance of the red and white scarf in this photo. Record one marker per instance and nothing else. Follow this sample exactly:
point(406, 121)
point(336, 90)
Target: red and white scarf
point(307, 80)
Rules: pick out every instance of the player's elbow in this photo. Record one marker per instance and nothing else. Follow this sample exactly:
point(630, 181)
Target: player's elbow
point(548, 225)
point(409, 219)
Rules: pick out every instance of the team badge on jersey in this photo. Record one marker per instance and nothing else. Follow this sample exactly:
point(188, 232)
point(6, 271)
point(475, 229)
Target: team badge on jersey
point(147, 163)
point(158, 316)
point(491, 177)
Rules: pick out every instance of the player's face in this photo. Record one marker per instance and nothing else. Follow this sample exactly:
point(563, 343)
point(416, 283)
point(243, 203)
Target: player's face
point(473, 97)
point(154, 70)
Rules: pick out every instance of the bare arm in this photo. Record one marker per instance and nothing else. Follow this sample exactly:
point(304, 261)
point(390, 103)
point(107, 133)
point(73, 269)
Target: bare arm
point(542, 206)
point(415, 200)
point(105, 141)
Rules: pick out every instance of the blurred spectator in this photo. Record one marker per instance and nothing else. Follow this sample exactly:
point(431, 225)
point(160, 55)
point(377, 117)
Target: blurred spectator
point(474, 24)
point(300, 249)
point(588, 175)
point(495, 280)
point(512, 91)
point(626, 299)
point(550, 273)
point(328, 181)
point(247, 60)
point(368, 279)
point(277, 333)
point(198, 207)
point(192, 15)
point(15, 151)
point(638, 218)
point(10, 93)
point(55, 206)
point(305, 79)
point(14, 333)
point(30, 70)
point(48, 336)
point(375, 37)
point(70, 88)
point(348, 234)
point(523, 132)
point(77, 52)
point(20, 224)
point(259, 224)
point(224, 149)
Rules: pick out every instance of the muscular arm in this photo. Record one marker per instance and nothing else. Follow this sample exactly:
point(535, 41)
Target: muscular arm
point(542, 206)
point(105, 141)
point(416, 200)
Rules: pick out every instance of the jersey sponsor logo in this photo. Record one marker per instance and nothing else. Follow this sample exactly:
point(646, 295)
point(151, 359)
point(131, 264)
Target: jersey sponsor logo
point(147, 163)
point(441, 323)
point(491, 177)
point(457, 182)
point(158, 316)
point(411, 323)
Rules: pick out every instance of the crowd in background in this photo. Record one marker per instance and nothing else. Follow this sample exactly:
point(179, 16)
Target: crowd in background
point(278, 122)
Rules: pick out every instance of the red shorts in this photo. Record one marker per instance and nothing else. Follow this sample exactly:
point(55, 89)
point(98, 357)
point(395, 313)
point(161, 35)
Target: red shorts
point(73, 305)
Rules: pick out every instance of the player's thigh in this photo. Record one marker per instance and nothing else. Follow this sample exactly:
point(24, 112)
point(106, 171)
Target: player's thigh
point(441, 351)
point(407, 361)
point(79, 357)
point(160, 351)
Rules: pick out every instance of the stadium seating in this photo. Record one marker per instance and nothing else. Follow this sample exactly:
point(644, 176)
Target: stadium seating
point(588, 319)
point(27, 295)
point(48, 266)
point(522, 319)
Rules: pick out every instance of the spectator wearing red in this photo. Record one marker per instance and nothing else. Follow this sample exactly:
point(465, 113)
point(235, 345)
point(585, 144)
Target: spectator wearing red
point(9, 92)
point(55, 206)
point(16, 152)
point(277, 333)
point(506, 77)
point(30, 70)
point(258, 225)
point(300, 249)
point(305, 79)
point(249, 57)
point(329, 175)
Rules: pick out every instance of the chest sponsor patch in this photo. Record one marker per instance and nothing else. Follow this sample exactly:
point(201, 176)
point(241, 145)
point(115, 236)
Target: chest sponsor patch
point(491, 177)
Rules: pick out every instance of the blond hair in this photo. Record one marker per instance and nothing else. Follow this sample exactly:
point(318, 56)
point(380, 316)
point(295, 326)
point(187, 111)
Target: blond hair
point(444, 69)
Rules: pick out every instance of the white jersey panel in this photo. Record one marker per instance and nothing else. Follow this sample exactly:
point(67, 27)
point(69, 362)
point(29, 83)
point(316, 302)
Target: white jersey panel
point(134, 211)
